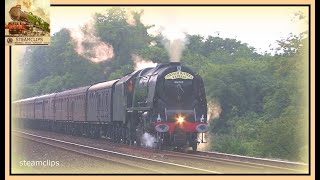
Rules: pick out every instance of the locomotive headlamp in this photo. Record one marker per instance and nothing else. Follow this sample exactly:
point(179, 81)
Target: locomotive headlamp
point(180, 119)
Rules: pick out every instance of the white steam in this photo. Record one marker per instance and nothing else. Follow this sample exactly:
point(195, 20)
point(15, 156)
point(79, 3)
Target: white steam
point(174, 43)
point(90, 46)
point(140, 63)
point(148, 140)
point(214, 109)
point(175, 49)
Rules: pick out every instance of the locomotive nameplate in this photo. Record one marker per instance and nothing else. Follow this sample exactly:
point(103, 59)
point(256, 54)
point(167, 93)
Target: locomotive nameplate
point(178, 75)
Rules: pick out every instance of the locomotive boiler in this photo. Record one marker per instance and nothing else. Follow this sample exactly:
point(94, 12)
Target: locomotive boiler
point(167, 101)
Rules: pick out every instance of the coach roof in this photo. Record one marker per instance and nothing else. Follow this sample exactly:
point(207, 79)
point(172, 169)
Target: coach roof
point(102, 85)
point(26, 100)
point(45, 96)
point(76, 91)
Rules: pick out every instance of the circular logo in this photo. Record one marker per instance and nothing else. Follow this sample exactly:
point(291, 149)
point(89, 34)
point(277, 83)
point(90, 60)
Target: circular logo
point(202, 128)
point(9, 40)
point(162, 128)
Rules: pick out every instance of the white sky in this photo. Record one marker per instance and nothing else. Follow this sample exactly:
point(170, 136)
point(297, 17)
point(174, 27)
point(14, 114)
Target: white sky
point(257, 26)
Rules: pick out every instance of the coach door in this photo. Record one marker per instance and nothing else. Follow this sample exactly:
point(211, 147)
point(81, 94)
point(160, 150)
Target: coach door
point(99, 107)
point(44, 105)
point(72, 110)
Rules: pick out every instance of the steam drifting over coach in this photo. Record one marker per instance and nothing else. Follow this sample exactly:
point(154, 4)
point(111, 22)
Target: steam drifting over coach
point(168, 102)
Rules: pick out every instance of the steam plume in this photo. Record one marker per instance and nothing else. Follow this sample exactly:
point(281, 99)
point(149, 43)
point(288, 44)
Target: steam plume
point(214, 109)
point(140, 63)
point(89, 46)
point(148, 140)
point(175, 41)
point(175, 48)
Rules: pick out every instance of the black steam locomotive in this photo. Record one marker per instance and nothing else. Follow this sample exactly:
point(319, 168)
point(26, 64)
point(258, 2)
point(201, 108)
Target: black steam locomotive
point(168, 102)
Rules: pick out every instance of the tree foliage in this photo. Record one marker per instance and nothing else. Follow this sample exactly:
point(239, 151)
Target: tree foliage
point(262, 97)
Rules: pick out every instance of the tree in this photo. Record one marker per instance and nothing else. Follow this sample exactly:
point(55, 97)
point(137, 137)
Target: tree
point(263, 98)
point(125, 38)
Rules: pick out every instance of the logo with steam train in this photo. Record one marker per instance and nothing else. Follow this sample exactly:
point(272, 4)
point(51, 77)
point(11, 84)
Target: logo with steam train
point(26, 24)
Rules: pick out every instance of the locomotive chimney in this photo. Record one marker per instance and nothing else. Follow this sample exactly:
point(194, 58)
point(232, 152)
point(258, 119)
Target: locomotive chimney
point(175, 63)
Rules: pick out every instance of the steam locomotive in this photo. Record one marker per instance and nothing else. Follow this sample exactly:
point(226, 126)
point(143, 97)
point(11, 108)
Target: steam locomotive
point(167, 101)
point(26, 23)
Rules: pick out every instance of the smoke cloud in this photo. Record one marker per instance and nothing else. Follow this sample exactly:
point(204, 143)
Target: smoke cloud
point(89, 46)
point(148, 140)
point(214, 109)
point(174, 42)
point(175, 48)
point(140, 63)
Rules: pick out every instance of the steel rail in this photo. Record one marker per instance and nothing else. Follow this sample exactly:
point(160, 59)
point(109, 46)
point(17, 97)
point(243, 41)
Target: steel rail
point(167, 165)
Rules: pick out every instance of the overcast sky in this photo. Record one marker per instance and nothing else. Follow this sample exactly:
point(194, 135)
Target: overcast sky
point(257, 26)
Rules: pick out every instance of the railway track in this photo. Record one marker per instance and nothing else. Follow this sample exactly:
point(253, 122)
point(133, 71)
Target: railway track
point(210, 162)
point(245, 165)
point(295, 166)
point(230, 163)
point(143, 165)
